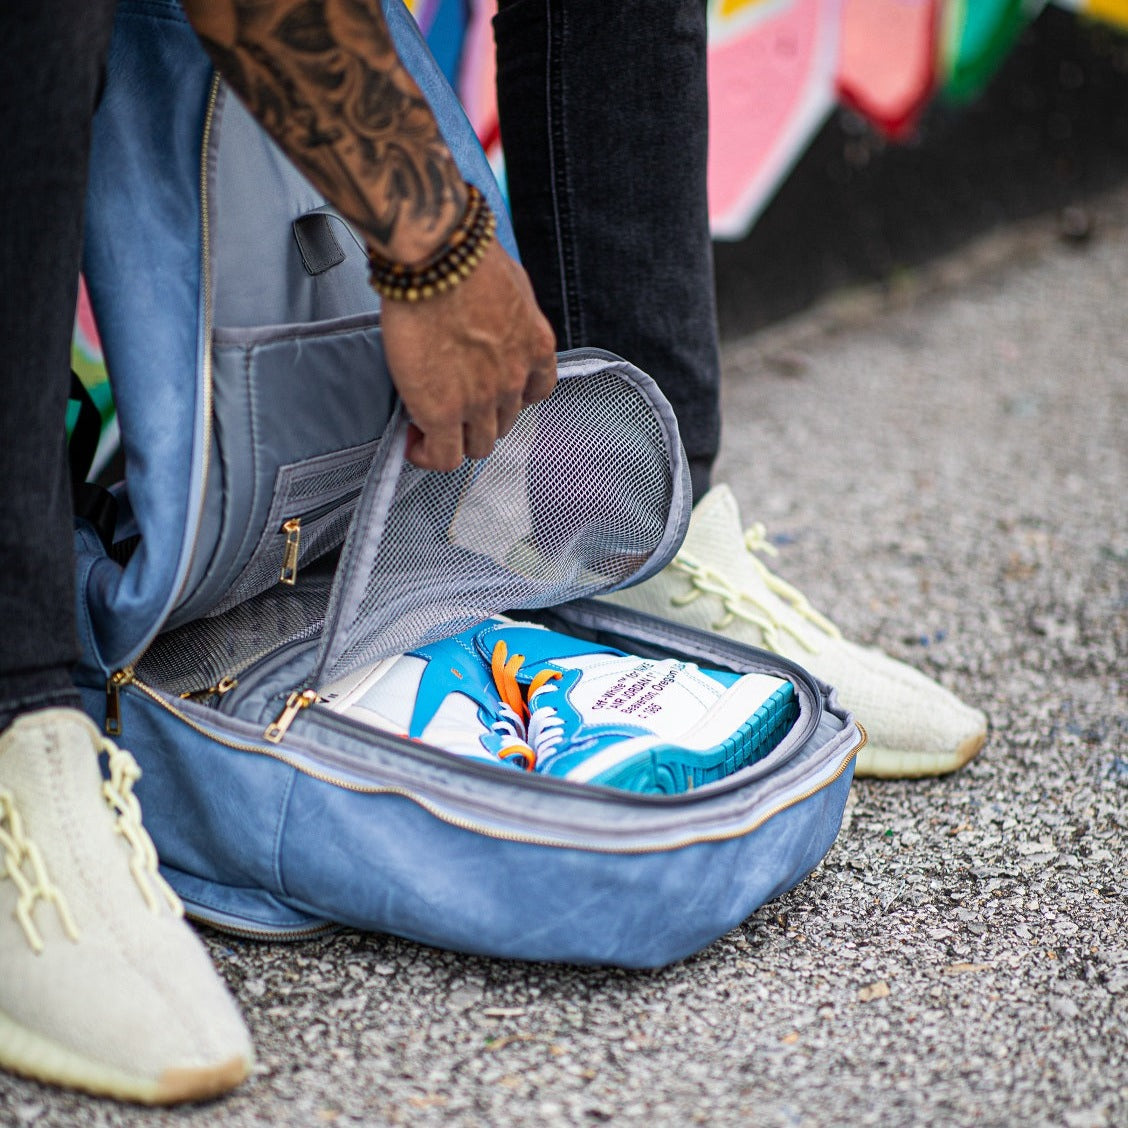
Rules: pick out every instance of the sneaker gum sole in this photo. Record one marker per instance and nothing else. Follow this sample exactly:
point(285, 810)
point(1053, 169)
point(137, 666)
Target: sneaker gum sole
point(724, 741)
point(890, 763)
point(31, 1055)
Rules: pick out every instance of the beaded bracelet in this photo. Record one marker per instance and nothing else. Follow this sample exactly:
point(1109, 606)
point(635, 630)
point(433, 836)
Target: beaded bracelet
point(444, 269)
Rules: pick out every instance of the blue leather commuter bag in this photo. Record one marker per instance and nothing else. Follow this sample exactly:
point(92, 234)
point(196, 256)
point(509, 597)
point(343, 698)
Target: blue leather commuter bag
point(271, 539)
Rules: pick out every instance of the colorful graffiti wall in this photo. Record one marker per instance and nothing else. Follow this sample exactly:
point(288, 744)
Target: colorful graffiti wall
point(777, 68)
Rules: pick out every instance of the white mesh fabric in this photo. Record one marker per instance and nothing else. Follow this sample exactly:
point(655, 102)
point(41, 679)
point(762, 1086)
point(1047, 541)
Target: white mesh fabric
point(576, 500)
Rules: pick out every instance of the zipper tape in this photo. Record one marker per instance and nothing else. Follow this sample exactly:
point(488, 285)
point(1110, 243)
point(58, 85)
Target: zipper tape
point(754, 822)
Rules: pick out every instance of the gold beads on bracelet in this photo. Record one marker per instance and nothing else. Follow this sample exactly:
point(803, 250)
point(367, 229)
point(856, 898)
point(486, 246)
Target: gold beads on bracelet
point(446, 267)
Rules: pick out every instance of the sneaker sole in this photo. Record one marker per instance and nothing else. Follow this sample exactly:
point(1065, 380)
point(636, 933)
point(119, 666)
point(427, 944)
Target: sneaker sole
point(892, 763)
point(31, 1055)
point(669, 769)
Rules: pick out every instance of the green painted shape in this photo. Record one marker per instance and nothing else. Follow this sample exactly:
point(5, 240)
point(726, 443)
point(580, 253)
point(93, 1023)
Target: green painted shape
point(93, 375)
point(978, 34)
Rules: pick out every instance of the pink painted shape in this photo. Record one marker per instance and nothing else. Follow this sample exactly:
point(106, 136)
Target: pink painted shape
point(770, 88)
point(86, 331)
point(887, 60)
point(477, 82)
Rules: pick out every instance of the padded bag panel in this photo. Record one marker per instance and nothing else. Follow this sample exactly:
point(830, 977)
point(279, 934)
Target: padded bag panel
point(144, 262)
point(298, 412)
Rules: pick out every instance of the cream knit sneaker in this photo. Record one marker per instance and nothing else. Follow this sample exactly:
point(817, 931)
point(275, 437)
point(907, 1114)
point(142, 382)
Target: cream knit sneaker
point(716, 582)
point(103, 985)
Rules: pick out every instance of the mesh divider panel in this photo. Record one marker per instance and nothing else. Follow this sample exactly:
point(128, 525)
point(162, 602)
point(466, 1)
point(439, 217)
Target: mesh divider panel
point(338, 479)
point(574, 501)
point(199, 654)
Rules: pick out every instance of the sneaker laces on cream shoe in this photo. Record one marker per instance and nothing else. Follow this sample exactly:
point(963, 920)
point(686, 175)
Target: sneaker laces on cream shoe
point(717, 582)
point(118, 793)
point(103, 985)
point(23, 864)
point(761, 612)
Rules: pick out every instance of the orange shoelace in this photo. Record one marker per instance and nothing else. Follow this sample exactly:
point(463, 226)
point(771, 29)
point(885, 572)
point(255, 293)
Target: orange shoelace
point(517, 703)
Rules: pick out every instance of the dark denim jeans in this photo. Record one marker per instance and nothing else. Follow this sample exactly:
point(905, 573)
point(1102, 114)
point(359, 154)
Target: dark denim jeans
point(604, 118)
point(604, 115)
point(54, 53)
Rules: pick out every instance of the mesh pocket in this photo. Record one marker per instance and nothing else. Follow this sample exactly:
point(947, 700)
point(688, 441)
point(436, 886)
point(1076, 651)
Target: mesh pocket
point(577, 499)
point(313, 505)
point(198, 655)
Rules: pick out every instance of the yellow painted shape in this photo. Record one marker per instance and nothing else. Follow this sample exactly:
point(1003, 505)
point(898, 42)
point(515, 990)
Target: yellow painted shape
point(728, 9)
point(1112, 11)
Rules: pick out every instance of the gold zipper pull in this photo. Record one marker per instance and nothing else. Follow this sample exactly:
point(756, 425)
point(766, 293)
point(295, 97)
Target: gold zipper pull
point(113, 699)
point(224, 685)
point(295, 703)
point(293, 531)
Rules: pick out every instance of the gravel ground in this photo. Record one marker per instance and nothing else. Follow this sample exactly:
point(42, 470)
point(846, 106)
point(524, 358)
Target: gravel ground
point(944, 469)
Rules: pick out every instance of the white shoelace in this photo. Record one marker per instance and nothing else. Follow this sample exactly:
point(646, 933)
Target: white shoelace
point(528, 725)
point(143, 863)
point(745, 605)
point(538, 737)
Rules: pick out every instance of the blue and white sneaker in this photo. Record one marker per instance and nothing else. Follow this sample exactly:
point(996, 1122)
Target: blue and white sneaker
point(522, 695)
point(442, 694)
point(593, 714)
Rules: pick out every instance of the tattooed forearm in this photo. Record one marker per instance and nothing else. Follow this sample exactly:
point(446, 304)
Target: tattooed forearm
point(323, 78)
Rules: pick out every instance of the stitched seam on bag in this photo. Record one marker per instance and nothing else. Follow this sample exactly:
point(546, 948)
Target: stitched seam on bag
point(279, 832)
point(249, 385)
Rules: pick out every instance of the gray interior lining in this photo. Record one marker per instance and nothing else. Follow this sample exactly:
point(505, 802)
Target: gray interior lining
point(259, 277)
point(288, 401)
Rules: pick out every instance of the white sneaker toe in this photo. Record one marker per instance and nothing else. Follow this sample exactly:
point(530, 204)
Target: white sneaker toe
point(717, 582)
point(103, 985)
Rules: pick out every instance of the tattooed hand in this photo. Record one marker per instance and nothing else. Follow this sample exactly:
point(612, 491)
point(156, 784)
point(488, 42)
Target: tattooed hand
point(323, 78)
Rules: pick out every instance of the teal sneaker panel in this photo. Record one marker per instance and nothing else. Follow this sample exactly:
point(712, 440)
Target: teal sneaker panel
point(453, 666)
point(671, 769)
point(622, 721)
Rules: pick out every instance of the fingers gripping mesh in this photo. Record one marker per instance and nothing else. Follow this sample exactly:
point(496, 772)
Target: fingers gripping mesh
point(576, 500)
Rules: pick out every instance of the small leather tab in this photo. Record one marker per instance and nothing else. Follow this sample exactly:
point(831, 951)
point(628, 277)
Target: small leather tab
point(317, 244)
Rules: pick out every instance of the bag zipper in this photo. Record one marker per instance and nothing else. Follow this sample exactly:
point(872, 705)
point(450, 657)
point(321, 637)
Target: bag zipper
point(220, 689)
point(292, 527)
point(125, 675)
point(128, 678)
point(246, 933)
point(116, 680)
point(297, 701)
point(206, 287)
